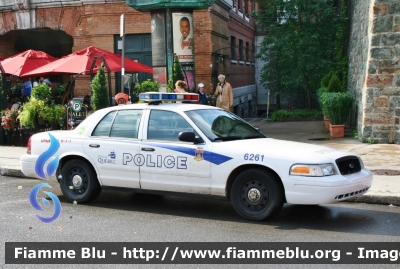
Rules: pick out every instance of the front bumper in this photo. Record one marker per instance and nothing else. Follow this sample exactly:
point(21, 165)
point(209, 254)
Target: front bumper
point(325, 190)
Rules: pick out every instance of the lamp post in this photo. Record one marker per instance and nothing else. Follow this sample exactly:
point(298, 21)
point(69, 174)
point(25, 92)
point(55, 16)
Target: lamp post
point(122, 34)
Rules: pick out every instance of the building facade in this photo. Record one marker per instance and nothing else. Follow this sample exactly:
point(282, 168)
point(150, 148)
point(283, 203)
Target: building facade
point(223, 35)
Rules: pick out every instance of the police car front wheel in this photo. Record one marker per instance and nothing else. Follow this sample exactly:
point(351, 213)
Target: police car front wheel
point(79, 181)
point(256, 194)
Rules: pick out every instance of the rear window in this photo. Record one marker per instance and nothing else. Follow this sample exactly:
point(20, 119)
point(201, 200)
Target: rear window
point(123, 123)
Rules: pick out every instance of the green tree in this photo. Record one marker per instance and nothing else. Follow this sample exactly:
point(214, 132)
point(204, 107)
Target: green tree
point(326, 79)
point(177, 74)
point(177, 70)
point(146, 86)
point(100, 97)
point(299, 46)
point(334, 84)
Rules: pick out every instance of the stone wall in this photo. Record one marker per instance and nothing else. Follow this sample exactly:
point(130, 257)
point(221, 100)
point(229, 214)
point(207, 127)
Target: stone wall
point(374, 69)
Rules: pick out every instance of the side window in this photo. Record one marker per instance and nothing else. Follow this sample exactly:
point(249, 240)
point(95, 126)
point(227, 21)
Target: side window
point(166, 125)
point(126, 124)
point(103, 128)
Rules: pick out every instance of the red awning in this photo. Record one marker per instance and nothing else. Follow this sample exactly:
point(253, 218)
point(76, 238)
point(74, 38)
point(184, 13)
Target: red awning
point(82, 60)
point(19, 64)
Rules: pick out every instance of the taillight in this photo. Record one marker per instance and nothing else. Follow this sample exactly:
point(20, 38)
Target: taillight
point(28, 146)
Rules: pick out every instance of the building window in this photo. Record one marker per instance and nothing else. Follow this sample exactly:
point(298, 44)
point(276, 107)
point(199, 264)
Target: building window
point(240, 50)
point(233, 48)
point(246, 8)
point(247, 52)
point(240, 7)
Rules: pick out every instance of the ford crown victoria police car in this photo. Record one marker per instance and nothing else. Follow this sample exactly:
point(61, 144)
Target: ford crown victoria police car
point(196, 150)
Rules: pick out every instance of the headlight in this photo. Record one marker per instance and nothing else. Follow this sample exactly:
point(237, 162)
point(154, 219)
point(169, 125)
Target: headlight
point(313, 170)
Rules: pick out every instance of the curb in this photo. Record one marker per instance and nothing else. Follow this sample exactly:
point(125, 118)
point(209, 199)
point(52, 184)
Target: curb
point(12, 173)
point(376, 199)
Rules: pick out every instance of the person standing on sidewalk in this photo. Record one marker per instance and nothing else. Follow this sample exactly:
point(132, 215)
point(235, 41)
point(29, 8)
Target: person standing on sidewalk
point(202, 95)
point(180, 87)
point(224, 94)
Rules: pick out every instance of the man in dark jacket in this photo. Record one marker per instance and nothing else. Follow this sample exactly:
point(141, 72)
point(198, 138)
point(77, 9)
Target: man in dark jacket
point(202, 95)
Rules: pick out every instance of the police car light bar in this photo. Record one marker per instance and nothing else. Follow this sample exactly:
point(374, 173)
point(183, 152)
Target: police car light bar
point(166, 96)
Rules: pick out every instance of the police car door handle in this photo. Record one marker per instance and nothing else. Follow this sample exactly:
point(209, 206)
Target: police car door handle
point(148, 149)
point(94, 145)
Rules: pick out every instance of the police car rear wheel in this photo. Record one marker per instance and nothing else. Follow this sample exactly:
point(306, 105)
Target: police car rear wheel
point(79, 182)
point(256, 194)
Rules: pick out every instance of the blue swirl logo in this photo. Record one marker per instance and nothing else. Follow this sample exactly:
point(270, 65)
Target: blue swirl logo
point(57, 205)
point(40, 171)
point(45, 156)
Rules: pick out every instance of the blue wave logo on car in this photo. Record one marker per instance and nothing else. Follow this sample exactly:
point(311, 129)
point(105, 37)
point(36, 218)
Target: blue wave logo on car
point(40, 172)
point(45, 156)
point(33, 199)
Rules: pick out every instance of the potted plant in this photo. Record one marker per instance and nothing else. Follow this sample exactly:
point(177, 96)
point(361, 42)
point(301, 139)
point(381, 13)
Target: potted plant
point(337, 107)
point(330, 83)
point(41, 110)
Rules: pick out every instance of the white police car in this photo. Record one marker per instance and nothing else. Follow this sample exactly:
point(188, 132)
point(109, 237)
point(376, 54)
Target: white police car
point(195, 150)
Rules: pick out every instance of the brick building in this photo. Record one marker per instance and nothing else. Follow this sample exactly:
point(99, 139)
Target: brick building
point(223, 34)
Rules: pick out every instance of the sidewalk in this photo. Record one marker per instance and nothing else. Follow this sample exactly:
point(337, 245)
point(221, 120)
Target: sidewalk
point(376, 157)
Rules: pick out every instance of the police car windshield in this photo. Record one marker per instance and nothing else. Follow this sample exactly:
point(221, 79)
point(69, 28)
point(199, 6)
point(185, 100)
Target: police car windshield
point(219, 125)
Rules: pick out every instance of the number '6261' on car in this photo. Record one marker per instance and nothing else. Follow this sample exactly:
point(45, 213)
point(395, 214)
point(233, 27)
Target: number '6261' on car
point(194, 150)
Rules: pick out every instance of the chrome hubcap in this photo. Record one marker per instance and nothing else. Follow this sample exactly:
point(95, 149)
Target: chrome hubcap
point(77, 181)
point(254, 195)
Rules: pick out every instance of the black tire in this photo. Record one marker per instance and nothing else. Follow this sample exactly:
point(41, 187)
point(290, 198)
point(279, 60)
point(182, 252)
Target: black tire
point(256, 194)
point(79, 182)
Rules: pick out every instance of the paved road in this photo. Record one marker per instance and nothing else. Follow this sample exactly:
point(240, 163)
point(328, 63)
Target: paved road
point(124, 217)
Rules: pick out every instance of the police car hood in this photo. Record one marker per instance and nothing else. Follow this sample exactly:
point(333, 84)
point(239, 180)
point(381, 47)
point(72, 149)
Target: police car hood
point(283, 149)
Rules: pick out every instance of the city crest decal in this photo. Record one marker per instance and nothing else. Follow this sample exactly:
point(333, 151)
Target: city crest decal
point(199, 155)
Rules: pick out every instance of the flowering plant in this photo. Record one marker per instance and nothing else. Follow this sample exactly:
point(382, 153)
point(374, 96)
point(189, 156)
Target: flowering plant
point(9, 119)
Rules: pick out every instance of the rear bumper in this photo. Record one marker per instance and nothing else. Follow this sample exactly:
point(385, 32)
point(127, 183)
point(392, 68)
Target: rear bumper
point(28, 163)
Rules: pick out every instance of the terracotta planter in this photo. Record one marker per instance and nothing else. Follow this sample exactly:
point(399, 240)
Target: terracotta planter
point(327, 123)
point(336, 131)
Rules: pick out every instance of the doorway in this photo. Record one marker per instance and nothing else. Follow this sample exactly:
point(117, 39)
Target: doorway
point(137, 47)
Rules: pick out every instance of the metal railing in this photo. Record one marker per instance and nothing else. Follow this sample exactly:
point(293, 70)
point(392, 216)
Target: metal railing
point(289, 101)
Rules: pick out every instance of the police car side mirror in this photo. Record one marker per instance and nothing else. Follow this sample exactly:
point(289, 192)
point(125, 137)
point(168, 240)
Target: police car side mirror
point(190, 137)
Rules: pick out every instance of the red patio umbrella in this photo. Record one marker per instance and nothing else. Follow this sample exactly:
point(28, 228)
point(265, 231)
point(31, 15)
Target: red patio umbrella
point(82, 60)
point(21, 63)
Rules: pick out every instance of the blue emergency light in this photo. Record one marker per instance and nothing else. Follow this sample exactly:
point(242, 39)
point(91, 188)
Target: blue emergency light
point(164, 96)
